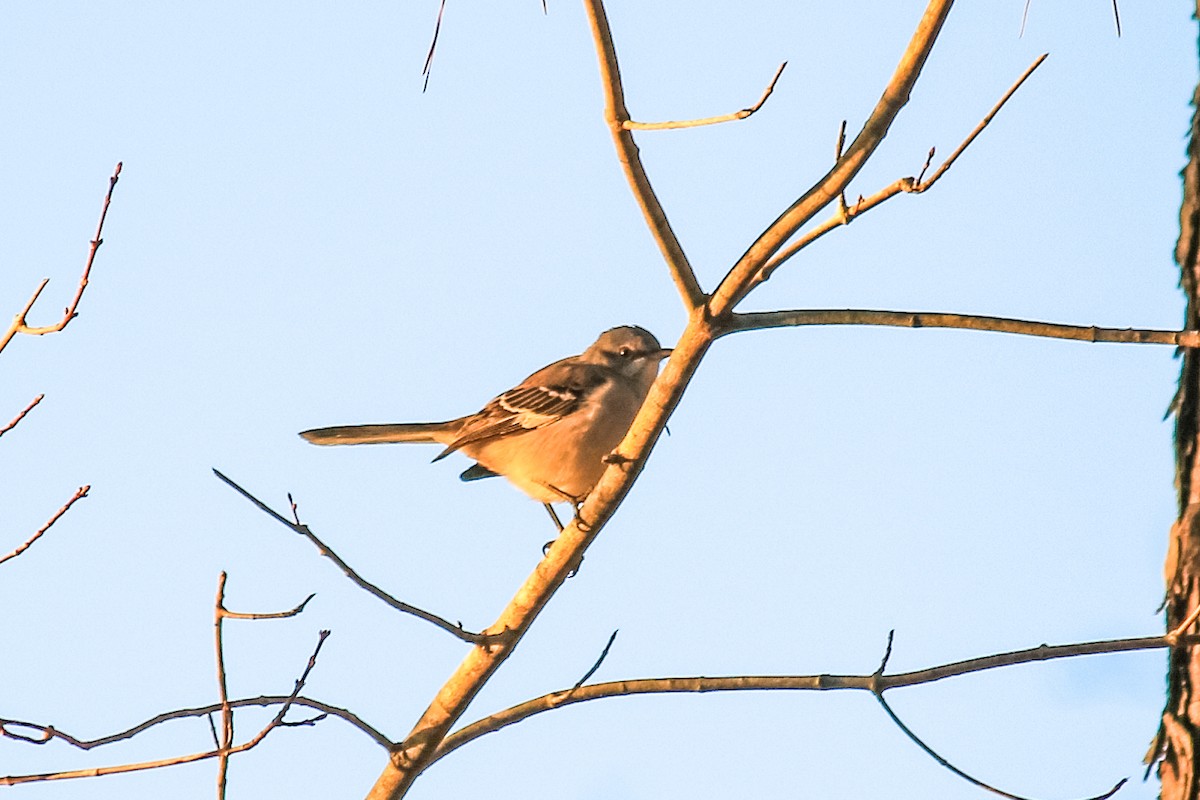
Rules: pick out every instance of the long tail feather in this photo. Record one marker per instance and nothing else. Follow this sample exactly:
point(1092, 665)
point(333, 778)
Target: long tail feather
point(381, 434)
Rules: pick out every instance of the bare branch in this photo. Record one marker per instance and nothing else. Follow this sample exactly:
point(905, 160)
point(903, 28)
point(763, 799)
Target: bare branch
point(47, 733)
point(631, 125)
point(876, 682)
point(220, 614)
point(616, 115)
point(324, 549)
point(935, 319)
point(226, 738)
point(17, 419)
point(844, 215)
point(19, 323)
point(276, 722)
point(741, 278)
point(413, 755)
point(80, 493)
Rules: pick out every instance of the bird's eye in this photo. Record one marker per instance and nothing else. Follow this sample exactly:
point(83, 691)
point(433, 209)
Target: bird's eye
point(624, 352)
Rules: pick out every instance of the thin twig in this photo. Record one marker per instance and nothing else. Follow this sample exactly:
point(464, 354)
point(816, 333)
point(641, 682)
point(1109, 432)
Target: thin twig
point(48, 733)
point(599, 661)
point(877, 689)
point(616, 115)
point(437, 29)
point(916, 185)
point(17, 419)
point(631, 125)
point(324, 549)
point(929, 751)
point(935, 319)
point(276, 722)
point(874, 682)
point(80, 493)
point(20, 324)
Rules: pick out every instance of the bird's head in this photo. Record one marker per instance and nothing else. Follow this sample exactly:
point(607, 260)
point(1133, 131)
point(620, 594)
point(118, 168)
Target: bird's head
point(630, 350)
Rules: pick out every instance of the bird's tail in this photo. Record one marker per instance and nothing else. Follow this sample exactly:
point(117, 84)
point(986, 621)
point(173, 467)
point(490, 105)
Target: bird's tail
point(382, 434)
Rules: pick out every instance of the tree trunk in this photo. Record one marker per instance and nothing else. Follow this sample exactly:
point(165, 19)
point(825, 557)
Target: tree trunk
point(1178, 740)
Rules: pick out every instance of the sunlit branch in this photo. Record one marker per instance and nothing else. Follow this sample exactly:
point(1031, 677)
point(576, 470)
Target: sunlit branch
point(20, 323)
point(616, 115)
point(759, 320)
point(631, 125)
point(847, 214)
point(740, 279)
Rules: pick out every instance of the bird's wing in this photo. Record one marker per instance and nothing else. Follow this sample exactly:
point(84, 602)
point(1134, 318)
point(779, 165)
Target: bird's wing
point(540, 400)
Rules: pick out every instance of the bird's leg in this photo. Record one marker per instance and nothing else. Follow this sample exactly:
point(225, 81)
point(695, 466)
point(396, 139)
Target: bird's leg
point(554, 516)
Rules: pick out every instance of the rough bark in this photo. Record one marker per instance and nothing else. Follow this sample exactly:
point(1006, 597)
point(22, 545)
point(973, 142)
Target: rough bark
point(1178, 740)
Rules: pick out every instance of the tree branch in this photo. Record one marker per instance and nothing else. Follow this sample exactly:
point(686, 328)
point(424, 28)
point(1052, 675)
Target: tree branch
point(17, 419)
point(413, 755)
point(875, 682)
point(846, 214)
point(19, 323)
point(324, 549)
point(48, 733)
point(80, 493)
point(759, 320)
point(740, 279)
point(631, 125)
point(276, 722)
point(616, 115)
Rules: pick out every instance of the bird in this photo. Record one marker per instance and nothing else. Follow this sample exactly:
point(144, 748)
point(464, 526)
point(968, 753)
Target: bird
point(550, 435)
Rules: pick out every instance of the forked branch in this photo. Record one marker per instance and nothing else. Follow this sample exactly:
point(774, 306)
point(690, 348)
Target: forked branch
point(876, 683)
point(616, 115)
point(20, 323)
point(414, 754)
point(276, 722)
point(741, 278)
point(847, 214)
point(298, 527)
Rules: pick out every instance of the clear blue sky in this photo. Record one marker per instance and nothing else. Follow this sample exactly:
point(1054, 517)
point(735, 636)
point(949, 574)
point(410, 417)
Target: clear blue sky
point(302, 238)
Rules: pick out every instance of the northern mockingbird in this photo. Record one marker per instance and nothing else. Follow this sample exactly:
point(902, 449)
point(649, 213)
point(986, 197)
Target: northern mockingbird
point(551, 433)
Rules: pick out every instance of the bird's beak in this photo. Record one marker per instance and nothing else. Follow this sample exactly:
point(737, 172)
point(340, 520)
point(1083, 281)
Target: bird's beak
point(664, 353)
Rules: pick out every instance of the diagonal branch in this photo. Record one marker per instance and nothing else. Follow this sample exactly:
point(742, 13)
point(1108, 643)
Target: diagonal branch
point(17, 419)
point(362, 583)
point(740, 279)
point(847, 214)
point(759, 320)
point(617, 116)
point(80, 493)
point(413, 755)
point(19, 323)
point(631, 125)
